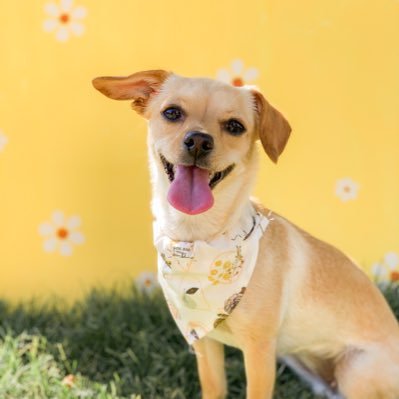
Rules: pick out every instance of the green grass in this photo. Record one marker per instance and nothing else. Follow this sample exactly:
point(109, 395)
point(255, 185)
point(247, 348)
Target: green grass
point(117, 346)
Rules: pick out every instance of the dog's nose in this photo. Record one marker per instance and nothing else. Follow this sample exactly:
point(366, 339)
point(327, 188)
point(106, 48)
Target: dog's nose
point(198, 144)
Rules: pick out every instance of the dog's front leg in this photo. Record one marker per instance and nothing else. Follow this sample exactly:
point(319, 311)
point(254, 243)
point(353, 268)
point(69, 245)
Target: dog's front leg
point(210, 362)
point(260, 369)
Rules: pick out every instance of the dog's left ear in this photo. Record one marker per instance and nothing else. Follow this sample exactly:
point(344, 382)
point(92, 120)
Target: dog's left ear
point(273, 128)
point(139, 87)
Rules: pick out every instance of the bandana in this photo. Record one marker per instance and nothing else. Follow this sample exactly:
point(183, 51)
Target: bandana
point(204, 281)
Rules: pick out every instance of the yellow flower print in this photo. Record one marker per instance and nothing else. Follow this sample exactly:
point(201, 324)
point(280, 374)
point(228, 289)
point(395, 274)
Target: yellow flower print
point(226, 267)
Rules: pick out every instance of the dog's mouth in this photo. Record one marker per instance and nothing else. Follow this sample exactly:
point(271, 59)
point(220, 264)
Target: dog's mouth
point(191, 186)
point(214, 178)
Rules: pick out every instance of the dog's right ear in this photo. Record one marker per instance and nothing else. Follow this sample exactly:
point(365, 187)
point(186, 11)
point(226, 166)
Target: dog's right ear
point(139, 87)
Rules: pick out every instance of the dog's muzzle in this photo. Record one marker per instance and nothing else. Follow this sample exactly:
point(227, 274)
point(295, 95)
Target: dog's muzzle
point(191, 179)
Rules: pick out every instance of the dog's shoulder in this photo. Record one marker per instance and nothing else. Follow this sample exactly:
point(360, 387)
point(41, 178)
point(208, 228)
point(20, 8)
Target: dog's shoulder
point(299, 248)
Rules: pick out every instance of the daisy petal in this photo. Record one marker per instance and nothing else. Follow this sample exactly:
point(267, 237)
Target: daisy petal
point(78, 12)
point(76, 237)
point(379, 272)
point(58, 218)
point(391, 259)
point(346, 189)
point(52, 9)
point(223, 75)
point(251, 74)
point(65, 249)
point(62, 34)
point(77, 29)
point(3, 140)
point(147, 282)
point(49, 25)
point(46, 229)
point(344, 197)
point(237, 67)
point(66, 5)
point(50, 244)
point(73, 222)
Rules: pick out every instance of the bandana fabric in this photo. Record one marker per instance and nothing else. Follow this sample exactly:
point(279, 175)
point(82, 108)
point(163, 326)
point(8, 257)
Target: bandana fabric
point(204, 281)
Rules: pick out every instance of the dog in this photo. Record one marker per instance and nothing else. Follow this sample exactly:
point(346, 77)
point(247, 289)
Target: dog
point(235, 273)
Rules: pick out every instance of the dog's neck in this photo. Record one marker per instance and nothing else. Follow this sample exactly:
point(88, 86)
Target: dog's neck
point(232, 208)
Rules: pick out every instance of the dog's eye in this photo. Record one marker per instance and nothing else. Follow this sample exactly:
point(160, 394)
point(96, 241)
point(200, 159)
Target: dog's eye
point(234, 127)
point(173, 114)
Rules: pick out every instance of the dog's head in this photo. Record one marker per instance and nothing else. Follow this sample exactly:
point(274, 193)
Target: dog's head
point(201, 132)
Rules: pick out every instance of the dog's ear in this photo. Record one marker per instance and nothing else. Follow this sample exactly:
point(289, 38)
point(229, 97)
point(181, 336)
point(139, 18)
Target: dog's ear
point(139, 87)
point(273, 128)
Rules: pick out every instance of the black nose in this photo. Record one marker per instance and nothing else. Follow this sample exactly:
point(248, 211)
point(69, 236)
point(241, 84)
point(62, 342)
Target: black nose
point(198, 144)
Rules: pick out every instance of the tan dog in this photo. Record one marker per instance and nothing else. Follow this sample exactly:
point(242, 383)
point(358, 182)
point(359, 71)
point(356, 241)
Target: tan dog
point(306, 301)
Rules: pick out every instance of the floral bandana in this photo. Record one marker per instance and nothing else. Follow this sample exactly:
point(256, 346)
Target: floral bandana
point(204, 281)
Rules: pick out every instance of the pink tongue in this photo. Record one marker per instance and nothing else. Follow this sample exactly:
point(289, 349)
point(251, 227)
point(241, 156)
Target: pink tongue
point(190, 192)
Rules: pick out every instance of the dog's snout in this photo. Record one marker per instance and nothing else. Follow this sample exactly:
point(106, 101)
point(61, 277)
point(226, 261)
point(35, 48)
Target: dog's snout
point(198, 144)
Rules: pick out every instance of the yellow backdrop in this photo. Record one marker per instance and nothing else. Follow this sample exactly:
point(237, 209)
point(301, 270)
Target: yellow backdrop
point(74, 190)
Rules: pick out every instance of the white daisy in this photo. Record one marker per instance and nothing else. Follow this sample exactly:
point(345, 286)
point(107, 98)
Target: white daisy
point(64, 19)
point(237, 75)
point(387, 270)
point(61, 233)
point(379, 272)
point(346, 189)
point(3, 140)
point(391, 259)
point(147, 282)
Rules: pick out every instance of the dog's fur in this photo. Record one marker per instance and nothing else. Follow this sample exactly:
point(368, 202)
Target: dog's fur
point(306, 300)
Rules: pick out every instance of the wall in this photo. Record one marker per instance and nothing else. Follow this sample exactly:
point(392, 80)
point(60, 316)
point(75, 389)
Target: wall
point(74, 190)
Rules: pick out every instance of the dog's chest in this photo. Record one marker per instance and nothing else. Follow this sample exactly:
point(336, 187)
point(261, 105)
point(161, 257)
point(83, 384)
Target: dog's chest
point(204, 281)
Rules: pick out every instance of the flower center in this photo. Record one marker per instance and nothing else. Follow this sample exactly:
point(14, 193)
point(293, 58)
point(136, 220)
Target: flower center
point(347, 189)
point(62, 233)
point(148, 282)
point(237, 82)
point(64, 18)
point(395, 276)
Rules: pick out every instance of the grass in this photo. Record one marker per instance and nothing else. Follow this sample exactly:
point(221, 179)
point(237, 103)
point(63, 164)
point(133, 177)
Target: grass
point(113, 346)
